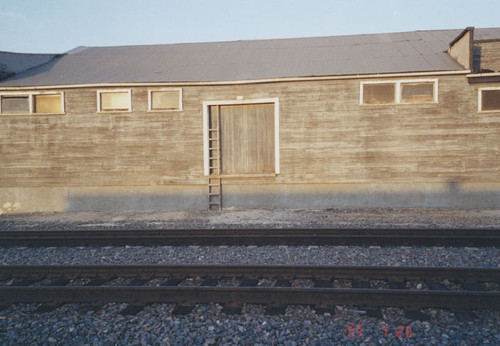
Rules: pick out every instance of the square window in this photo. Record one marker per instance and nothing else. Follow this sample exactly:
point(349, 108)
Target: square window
point(15, 104)
point(417, 92)
point(490, 100)
point(47, 103)
point(166, 100)
point(114, 101)
point(383, 93)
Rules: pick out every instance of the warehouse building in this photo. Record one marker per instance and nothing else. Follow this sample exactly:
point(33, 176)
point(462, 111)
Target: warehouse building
point(407, 119)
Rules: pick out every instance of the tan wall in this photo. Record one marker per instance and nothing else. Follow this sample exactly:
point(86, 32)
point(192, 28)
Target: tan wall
point(461, 50)
point(489, 53)
point(326, 137)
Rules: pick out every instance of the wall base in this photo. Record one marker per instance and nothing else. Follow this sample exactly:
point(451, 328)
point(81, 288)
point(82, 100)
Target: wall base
point(301, 196)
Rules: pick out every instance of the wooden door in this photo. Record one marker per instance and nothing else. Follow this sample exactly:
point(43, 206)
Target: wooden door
point(247, 139)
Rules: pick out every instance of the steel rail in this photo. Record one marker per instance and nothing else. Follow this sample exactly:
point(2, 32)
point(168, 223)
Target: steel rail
point(237, 296)
point(381, 237)
point(360, 273)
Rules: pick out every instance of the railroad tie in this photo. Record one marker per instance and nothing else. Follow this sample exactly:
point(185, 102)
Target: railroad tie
point(132, 310)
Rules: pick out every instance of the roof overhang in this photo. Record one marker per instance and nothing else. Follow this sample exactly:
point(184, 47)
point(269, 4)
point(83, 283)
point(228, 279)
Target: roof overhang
point(241, 82)
point(493, 77)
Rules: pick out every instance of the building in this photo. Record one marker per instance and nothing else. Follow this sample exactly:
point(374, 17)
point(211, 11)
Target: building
point(406, 119)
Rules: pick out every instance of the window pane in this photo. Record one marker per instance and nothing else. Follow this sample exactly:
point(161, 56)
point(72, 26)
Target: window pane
point(490, 100)
point(378, 93)
point(48, 104)
point(115, 101)
point(417, 92)
point(15, 105)
point(165, 100)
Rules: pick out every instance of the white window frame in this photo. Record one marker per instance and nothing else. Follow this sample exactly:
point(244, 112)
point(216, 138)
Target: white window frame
point(480, 100)
point(397, 91)
point(150, 100)
point(103, 91)
point(31, 102)
point(275, 101)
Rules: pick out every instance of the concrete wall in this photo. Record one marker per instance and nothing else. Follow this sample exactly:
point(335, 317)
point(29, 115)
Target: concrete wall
point(58, 199)
point(450, 195)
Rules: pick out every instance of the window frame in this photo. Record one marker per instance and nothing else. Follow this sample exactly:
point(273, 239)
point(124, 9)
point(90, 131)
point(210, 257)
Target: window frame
point(31, 102)
point(398, 91)
point(150, 100)
point(104, 91)
point(480, 100)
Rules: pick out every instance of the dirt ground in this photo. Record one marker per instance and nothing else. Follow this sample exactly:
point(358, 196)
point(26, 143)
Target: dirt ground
point(258, 218)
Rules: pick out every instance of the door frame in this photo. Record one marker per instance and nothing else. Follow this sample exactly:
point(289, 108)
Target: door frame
point(207, 104)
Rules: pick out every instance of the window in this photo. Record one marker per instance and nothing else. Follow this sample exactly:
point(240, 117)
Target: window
point(379, 93)
point(489, 100)
point(398, 92)
point(47, 104)
point(15, 104)
point(32, 103)
point(165, 100)
point(417, 92)
point(114, 101)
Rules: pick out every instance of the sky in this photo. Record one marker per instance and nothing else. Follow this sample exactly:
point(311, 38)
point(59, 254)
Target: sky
point(56, 26)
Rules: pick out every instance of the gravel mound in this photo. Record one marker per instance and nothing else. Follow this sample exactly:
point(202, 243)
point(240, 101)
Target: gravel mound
point(257, 218)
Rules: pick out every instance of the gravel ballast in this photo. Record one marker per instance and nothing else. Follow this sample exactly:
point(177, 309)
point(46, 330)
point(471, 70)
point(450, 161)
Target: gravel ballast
point(310, 255)
point(82, 324)
point(207, 325)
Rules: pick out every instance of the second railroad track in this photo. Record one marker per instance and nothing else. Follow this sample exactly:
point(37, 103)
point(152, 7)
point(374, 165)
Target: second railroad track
point(293, 237)
point(235, 285)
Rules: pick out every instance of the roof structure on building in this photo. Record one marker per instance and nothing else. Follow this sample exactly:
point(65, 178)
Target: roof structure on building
point(417, 51)
point(13, 63)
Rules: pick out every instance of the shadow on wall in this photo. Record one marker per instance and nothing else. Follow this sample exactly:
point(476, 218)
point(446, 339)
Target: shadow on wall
point(452, 195)
point(134, 201)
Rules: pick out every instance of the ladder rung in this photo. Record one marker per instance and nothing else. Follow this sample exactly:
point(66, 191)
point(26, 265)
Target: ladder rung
point(214, 194)
point(213, 129)
point(214, 203)
point(213, 139)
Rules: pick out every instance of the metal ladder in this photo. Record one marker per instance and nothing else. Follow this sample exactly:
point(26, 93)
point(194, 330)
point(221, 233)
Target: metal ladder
point(214, 163)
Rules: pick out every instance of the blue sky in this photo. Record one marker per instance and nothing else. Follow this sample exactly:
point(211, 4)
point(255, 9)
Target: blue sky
point(56, 26)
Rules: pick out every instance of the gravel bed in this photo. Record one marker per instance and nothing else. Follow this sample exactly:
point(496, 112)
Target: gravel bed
point(79, 324)
point(257, 218)
point(313, 255)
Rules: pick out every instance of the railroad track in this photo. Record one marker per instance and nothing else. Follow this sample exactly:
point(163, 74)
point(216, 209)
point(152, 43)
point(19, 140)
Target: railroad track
point(323, 287)
point(380, 237)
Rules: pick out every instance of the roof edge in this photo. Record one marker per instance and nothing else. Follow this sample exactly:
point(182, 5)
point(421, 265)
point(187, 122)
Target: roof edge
point(241, 82)
point(465, 31)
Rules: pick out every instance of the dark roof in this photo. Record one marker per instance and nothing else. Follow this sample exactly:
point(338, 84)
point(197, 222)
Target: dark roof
point(417, 51)
point(490, 34)
point(12, 63)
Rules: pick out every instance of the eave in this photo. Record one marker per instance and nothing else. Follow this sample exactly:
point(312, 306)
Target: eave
point(242, 82)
